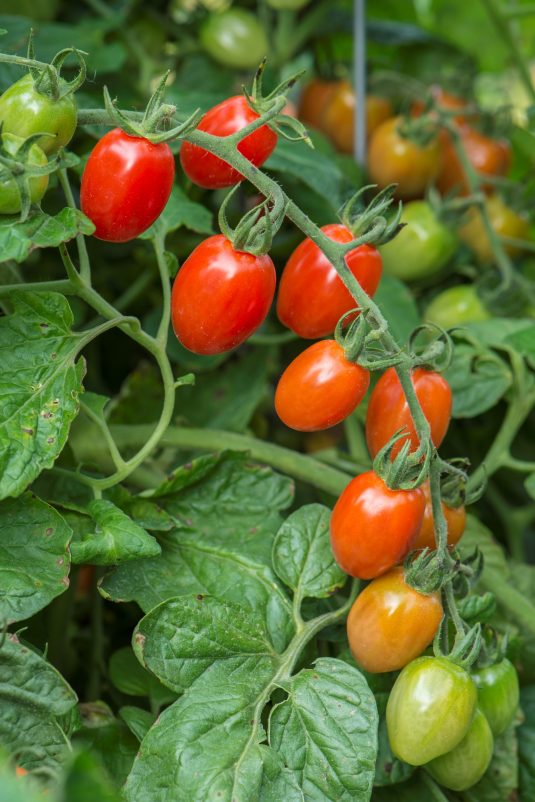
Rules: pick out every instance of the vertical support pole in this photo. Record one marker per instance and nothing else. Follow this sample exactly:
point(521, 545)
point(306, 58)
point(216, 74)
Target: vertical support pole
point(359, 81)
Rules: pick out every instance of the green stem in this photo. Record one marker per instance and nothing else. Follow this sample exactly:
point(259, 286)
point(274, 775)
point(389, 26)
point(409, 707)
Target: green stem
point(64, 286)
point(299, 466)
point(83, 257)
point(502, 24)
point(521, 610)
point(163, 328)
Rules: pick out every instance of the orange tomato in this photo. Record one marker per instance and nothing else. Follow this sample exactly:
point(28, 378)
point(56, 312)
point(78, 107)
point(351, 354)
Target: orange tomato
point(444, 100)
point(455, 519)
point(20, 772)
point(391, 624)
point(394, 159)
point(505, 222)
point(488, 156)
point(339, 115)
point(314, 99)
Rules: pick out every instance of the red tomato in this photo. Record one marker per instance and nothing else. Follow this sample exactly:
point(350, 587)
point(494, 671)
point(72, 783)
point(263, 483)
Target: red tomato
point(220, 296)
point(388, 409)
point(233, 114)
point(390, 623)
point(320, 388)
point(126, 183)
point(487, 156)
point(312, 296)
point(373, 527)
point(455, 519)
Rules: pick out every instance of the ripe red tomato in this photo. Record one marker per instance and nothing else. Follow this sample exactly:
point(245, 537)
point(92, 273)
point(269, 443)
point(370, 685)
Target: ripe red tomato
point(388, 410)
point(220, 296)
point(487, 156)
point(394, 159)
point(312, 296)
point(391, 624)
point(126, 183)
point(455, 519)
point(373, 527)
point(320, 388)
point(233, 114)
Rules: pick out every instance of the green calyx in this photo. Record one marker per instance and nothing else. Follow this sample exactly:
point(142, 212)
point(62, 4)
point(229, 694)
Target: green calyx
point(156, 121)
point(23, 162)
point(374, 224)
point(47, 78)
point(408, 470)
point(421, 131)
point(273, 104)
point(255, 231)
point(430, 347)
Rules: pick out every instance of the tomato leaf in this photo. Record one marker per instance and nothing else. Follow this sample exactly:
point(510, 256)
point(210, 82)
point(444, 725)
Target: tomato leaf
point(40, 386)
point(226, 512)
point(113, 742)
point(137, 720)
point(302, 554)
point(397, 304)
point(500, 781)
point(389, 770)
point(181, 211)
point(86, 780)
point(334, 762)
point(40, 230)
point(33, 694)
point(34, 557)
point(478, 379)
point(523, 341)
point(131, 678)
point(115, 539)
point(278, 782)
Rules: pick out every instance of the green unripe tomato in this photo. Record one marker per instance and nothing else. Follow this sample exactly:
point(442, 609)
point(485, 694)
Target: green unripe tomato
point(10, 201)
point(498, 694)
point(422, 248)
point(456, 306)
point(291, 5)
point(25, 111)
point(466, 764)
point(429, 709)
point(234, 38)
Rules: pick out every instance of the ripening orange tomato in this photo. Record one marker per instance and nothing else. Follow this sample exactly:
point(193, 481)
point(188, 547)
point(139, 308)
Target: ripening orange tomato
point(339, 115)
point(487, 156)
point(391, 623)
point(314, 99)
point(455, 519)
point(506, 223)
point(395, 159)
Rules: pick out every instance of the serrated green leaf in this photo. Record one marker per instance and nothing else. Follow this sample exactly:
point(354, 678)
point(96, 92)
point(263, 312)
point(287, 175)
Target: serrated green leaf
point(278, 782)
point(477, 535)
point(523, 341)
point(181, 211)
point(86, 781)
point(114, 744)
point(34, 557)
point(40, 384)
point(478, 380)
point(40, 230)
point(184, 637)
point(334, 762)
point(144, 512)
point(389, 770)
point(137, 720)
point(32, 694)
point(203, 746)
point(226, 513)
point(302, 554)
point(115, 539)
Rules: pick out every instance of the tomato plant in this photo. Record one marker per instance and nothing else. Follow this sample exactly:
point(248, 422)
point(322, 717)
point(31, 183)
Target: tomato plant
point(456, 306)
point(312, 297)
point(504, 221)
point(430, 709)
point(487, 156)
point(388, 410)
point(320, 388)
point(126, 183)
point(391, 624)
point(228, 117)
point(220, 296)
point(373, 527)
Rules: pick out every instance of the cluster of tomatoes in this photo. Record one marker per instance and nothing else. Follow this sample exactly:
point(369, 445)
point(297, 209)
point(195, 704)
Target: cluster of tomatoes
point(427, 242)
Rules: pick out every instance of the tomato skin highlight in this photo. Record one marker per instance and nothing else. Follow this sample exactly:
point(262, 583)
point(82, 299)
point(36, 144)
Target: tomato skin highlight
point(422, 248)
point(25, 111)
point(466, 763)
point(455, 306)
point(455, 520)
point(388, 409)
point(391, 623)
point(429, 710)
point(373, 527)
point(220, 296)
point(126, 184)
point(498, 694)
point(234, 38)
point(211, 172)
point(10, 200)
point(320, 388)
point(312, 296)
point(394, 159)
